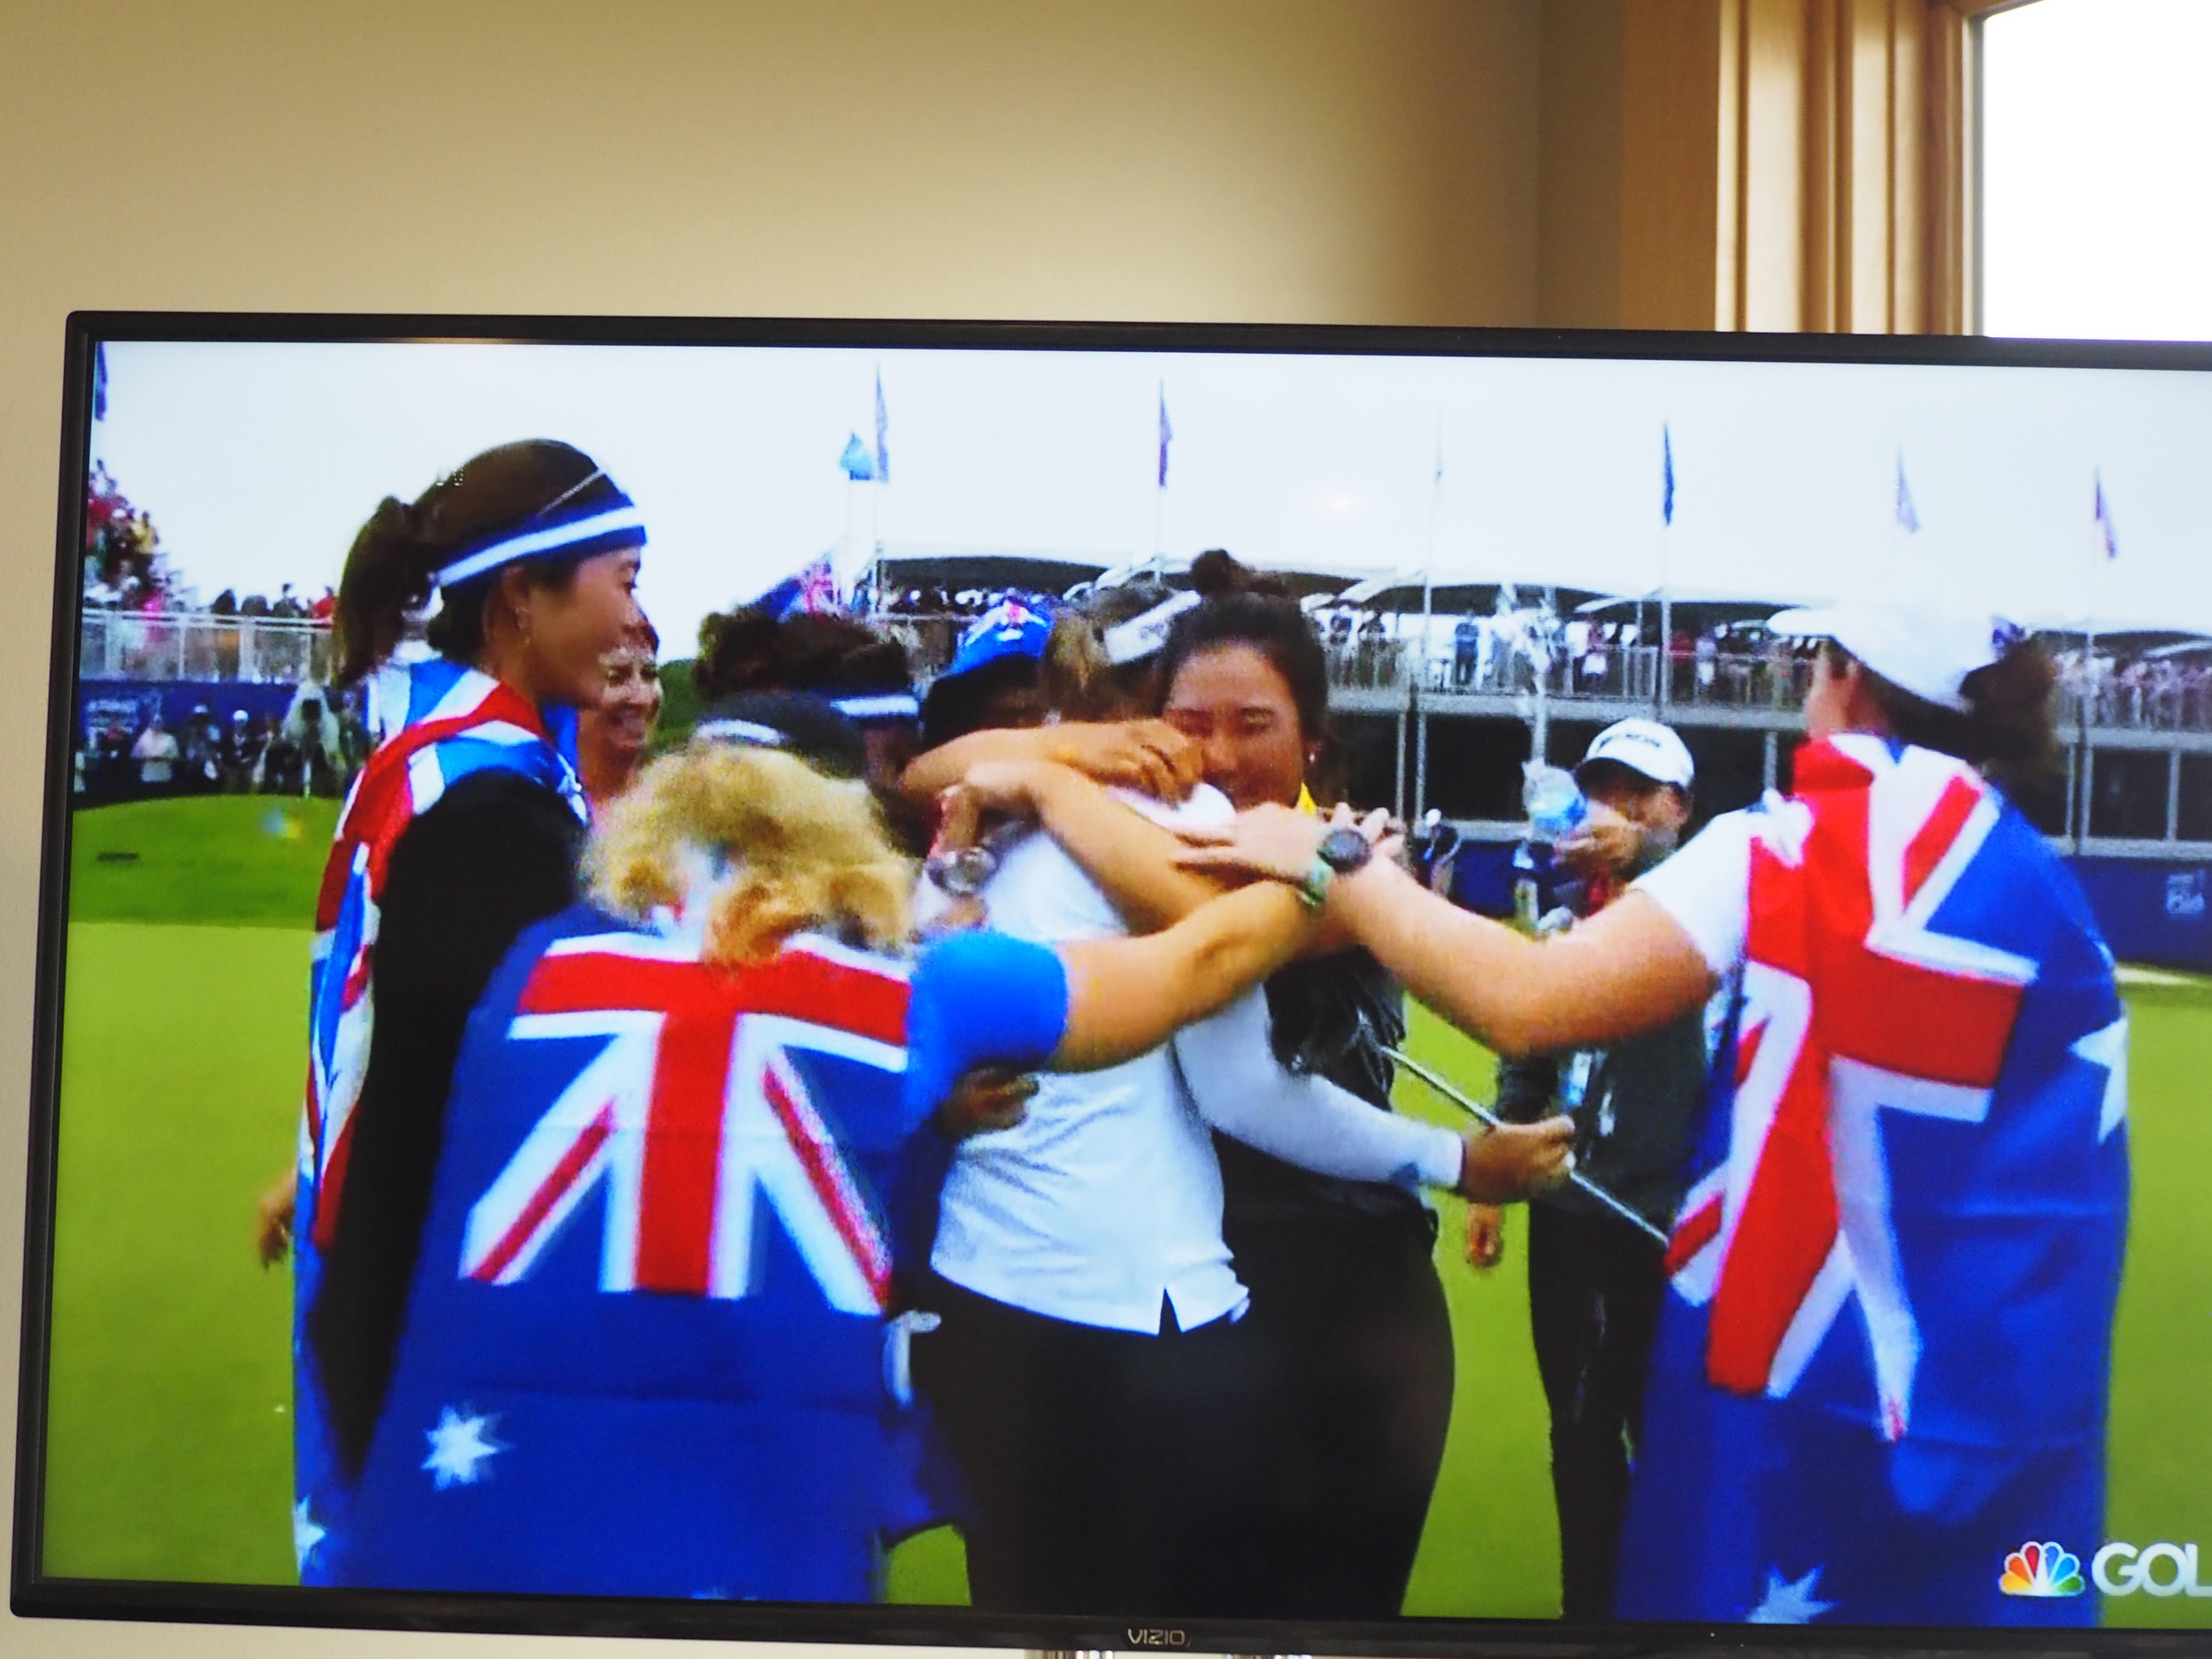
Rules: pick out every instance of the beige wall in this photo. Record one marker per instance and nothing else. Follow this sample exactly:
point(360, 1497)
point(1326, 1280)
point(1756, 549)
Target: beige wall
point(1287, 161)
point(1580, 165)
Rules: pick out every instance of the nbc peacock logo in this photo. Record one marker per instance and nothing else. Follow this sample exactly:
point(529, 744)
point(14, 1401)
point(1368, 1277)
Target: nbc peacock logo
point(2045, 1569)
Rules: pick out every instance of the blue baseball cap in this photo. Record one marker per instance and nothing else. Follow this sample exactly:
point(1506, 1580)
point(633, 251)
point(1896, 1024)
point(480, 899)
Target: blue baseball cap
point(1012, 628)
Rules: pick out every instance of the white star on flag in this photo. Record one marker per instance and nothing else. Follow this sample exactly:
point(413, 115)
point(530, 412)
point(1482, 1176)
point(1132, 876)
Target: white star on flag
point(2108, 1050)
point(458, 1446)
point(305, 1535)
point(1790, 1603)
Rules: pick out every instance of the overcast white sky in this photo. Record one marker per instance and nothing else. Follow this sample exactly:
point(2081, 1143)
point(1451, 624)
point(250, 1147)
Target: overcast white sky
point(2097, 170)
point(258, 461)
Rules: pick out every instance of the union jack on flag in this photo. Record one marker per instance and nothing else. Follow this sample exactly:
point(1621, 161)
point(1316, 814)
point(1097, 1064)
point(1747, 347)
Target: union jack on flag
point(1918, 1117)
point(646, 1350)
point(691, 1113)
point(459, 721)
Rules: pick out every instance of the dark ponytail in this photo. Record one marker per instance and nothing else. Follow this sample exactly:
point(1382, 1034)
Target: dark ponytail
point(390, 570)
point(386, 575)
point(2008, 731)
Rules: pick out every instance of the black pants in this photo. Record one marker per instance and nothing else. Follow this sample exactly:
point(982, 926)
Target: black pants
point(1106, 1472)
point(1594, 1289)
point(1349, 1320)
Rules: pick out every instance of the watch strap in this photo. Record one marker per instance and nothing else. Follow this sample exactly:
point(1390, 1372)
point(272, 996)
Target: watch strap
point(1314, 890)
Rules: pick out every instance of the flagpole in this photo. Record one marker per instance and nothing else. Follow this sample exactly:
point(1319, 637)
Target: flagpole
point(1420, 688)
point(1159, 485)
point(2086, 703)
point(875, 496)
point(849, 561)
point(1428, 560)
point(875, 543)
point(1662, 692)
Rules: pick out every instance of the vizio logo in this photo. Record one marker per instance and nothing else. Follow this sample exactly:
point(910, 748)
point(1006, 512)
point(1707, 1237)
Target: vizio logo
point(2154, 1570)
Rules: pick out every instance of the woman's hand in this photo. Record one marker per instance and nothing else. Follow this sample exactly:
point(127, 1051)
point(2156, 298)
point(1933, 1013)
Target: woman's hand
point(1004, 788)
point(1606, 843)
point(987, 1099)
point(1007, 786)
point(1514, 1162)
point(1485, 1236)
point(273, 1219)
point(1275, 841)
point(1150, 755)
point(1280, 842)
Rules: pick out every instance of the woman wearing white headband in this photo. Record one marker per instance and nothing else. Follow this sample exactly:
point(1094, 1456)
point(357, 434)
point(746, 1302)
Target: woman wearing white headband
point(464, 828)
point(1885, 1360)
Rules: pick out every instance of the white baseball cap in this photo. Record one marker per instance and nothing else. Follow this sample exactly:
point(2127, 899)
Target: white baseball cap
point(1925, 652)
point(1647, 748)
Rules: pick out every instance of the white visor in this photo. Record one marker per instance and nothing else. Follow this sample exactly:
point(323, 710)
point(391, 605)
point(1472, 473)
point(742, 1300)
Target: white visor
point(1925, 652)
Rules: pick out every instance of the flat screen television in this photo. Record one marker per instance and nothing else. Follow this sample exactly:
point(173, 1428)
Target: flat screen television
point(660, 1307)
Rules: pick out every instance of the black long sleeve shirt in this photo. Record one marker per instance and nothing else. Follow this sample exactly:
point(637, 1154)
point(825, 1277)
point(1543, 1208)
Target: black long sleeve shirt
point(494, 854)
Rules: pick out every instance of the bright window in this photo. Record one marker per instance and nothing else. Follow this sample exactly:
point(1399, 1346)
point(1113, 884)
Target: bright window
point(2096, 205)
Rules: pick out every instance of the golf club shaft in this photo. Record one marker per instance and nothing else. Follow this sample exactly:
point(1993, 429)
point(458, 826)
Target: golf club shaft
point(1490, 1117)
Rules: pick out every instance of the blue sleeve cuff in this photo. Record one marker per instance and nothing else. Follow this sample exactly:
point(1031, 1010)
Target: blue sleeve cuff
point(980, 999)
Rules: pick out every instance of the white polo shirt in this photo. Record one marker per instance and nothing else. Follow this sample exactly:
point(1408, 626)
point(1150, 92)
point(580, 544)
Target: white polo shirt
point(1107, 1197)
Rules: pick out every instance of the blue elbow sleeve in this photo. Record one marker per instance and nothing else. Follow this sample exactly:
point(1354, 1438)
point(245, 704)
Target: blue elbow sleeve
point(980, 999)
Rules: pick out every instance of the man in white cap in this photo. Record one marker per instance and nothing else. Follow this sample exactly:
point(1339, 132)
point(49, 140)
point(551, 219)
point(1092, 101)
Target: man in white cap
point(1596, 1282)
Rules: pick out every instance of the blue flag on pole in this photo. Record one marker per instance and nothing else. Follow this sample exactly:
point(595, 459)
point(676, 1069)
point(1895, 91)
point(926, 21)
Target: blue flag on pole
point(1666, 474)
point(2104, 521)
point(859, 466)
point(883, 433)
point(1166, 434)
point(1883, 1361)
point(1906, 514)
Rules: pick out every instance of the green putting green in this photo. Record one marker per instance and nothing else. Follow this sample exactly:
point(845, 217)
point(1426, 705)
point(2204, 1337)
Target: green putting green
point(221, 859)
point(168, 1426)
point(168, 1434)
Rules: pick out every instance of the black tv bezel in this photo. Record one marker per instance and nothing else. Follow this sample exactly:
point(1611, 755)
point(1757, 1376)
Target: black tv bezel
point(33, 1595)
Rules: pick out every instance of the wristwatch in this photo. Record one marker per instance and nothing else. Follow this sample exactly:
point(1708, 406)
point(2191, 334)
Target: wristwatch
point(1344, 850)
point(1341, 851)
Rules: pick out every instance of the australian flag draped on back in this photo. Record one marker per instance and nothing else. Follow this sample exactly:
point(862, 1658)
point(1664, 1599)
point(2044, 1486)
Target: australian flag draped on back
point(458, 722)
point(1886, 1361)
point(647, 1351)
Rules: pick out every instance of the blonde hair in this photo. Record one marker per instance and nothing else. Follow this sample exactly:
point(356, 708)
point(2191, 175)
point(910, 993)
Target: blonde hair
point(805, 851)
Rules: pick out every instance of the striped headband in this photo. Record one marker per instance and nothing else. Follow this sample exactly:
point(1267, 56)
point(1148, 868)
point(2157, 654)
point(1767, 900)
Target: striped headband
point(607, 525)
point(752, 733)
point(1140, 636)
point(881, 706)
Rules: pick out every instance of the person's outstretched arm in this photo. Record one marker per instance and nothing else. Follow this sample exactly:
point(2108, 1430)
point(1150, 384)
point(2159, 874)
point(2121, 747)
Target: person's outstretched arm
point(1126, 996)
point(1132, 858)
point(983, 998)
point(1147, 754)
point(1137, 864)
point(1243, 1090)
point(1629, 969)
